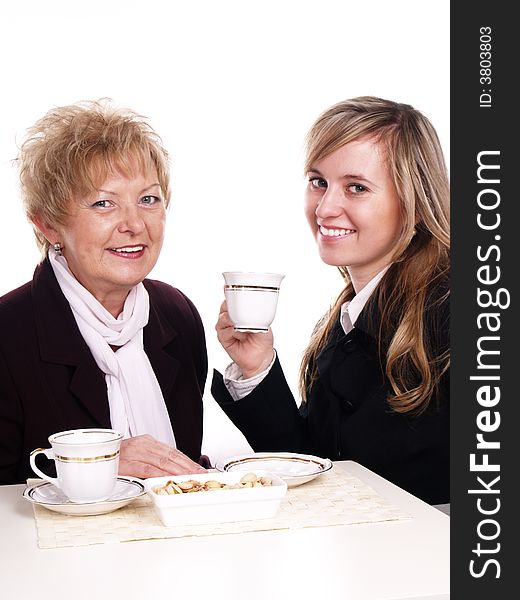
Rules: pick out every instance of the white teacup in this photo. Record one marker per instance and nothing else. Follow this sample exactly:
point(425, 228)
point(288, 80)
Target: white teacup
point(87, 462)
point(252, 299)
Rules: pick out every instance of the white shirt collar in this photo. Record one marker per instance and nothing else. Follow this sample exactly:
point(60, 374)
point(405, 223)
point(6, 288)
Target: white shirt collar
point(350, 310)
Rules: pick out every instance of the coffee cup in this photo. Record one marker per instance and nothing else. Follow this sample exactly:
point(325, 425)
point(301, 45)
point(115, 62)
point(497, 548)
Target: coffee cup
point(87, 462)
point(251, 299)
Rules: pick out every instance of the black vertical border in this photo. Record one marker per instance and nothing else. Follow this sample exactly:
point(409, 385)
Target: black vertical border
point(481, 123)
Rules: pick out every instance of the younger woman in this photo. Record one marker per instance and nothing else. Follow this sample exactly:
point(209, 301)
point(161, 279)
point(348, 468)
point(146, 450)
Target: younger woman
point(375, 377)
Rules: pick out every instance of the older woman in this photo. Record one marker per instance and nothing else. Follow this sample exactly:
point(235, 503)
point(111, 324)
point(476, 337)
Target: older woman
point(90, 342)
point(375, 376)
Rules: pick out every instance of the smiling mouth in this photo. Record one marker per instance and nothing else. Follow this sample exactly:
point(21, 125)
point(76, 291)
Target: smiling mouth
point(127, 251)
point(335, 233)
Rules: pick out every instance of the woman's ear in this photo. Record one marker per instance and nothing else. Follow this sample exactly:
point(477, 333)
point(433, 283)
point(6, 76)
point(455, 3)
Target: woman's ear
point(50, 233)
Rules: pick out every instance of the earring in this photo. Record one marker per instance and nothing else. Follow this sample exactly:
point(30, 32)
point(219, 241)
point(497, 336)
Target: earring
point(58, 248)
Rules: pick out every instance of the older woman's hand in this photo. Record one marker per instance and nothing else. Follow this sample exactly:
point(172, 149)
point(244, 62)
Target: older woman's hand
point(252, 352)
point(143, 456)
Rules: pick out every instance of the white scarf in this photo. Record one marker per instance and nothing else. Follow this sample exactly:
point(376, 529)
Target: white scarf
point(136, 402)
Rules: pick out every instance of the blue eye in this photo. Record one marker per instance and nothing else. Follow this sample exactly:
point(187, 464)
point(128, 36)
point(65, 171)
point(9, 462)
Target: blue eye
point(357, 188)
point(150, 200)
point(318, 182)
point(102, 203)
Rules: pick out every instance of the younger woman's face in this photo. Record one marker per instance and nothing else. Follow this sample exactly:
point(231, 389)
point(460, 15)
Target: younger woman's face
point(353, 209)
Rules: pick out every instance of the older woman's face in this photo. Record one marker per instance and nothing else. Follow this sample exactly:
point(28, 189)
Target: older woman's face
point(354, 210)
point(112, 240)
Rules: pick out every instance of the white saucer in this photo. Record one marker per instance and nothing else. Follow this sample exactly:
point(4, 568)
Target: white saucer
point(50, 497)
point(294, 469)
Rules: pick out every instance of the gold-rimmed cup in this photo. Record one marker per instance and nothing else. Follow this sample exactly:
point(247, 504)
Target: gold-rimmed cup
point(87, 462)
point(252, 299)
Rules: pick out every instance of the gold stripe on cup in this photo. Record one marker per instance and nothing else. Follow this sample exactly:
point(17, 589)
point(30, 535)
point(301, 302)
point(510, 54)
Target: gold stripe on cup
point(252, 288)
point(82, 459)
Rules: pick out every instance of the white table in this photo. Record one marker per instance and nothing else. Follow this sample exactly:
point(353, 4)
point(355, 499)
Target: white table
point(389, 560)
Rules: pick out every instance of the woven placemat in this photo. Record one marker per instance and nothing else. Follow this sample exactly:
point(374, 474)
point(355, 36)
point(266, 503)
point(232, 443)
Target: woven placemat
point(333, 498)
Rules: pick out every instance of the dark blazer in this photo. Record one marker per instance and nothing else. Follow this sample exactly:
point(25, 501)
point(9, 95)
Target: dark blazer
point(347, 415)
point(50, 382)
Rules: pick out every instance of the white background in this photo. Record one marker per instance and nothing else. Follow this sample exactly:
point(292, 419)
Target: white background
point(232, 87)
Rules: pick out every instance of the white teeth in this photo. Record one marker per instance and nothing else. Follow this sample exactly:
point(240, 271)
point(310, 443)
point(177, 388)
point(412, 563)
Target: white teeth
point(335, 232)
point(128, 249)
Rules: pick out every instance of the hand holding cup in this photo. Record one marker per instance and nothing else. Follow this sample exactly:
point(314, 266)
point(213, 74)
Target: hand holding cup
point(243, 326)
point(253, 353)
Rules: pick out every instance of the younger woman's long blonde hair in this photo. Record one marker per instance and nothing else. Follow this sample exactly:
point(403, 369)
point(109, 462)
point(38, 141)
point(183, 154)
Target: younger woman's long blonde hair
point(419, 275)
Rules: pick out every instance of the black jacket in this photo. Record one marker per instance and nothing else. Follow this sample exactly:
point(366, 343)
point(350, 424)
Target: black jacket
point(49, 380)
point(347, 415)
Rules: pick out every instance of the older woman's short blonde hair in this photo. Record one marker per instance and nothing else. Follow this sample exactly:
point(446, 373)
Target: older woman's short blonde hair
point(71, 150)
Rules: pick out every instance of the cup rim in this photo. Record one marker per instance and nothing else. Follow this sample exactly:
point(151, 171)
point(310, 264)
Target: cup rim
point(224, 273)
point(53, 438)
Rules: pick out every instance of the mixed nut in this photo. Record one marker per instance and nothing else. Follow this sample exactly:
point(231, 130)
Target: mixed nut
point(248, 480)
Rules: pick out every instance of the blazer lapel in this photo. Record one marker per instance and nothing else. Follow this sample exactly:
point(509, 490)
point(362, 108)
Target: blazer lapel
point(157, 335)
point(61, 343)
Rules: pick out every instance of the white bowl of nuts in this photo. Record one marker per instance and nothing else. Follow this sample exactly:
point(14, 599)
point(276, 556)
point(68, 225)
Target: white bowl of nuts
point(215, 497)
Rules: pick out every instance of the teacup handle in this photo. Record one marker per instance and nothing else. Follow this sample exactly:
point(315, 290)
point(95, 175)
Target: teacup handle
point(49, 453)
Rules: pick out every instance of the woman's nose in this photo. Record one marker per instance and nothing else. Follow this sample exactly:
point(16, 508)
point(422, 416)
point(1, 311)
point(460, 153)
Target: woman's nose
point(131, 220)
point(330, 204)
